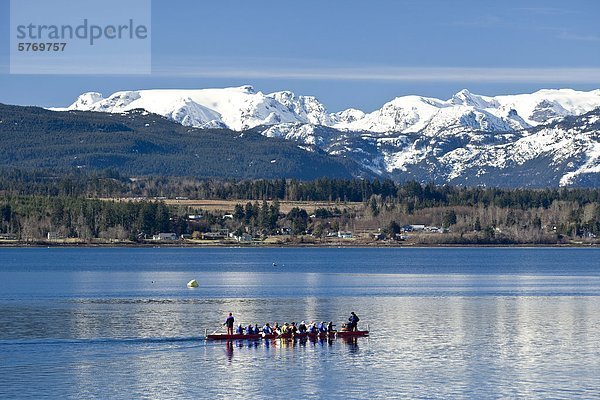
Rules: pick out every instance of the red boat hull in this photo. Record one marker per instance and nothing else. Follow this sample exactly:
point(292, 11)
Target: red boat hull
point(236, 336)
point(345, 334)
point(321, 335)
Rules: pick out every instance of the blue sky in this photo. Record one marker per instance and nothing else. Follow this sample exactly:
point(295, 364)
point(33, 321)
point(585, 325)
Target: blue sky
point(347, 53)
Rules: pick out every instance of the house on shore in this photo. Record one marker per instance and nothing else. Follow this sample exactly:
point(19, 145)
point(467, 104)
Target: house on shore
point(164, 236)
point(244, 237)
point(54, 236)
point(218, 235)
point(344, 235)
point(413, 228)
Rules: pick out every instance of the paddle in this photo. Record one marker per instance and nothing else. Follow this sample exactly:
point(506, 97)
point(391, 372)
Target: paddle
point(218, 329)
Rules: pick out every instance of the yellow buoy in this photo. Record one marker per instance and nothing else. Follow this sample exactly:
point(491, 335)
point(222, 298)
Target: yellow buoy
point(192, 284)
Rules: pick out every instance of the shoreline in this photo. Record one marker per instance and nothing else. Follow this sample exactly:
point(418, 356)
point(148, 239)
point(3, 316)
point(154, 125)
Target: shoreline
point(292, 245)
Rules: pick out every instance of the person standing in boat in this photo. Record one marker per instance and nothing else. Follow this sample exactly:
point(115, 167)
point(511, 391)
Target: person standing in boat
point(229, 323)
point(353, 322)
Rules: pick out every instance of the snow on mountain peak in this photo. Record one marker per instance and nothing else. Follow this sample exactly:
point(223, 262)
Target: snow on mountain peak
point(466, 98)
point(307, 108)
point(407, 113)
point(247, 89)
point(347, 116)
point(242, 108)
point(86, 100)
point(237, 108)
point(189, 113)
point(452, 119)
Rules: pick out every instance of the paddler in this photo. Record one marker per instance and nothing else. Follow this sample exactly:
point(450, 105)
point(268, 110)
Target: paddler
point(267, 329)
point(240, 330)
point(330, 327)
point(322, 326)
point(302, 327)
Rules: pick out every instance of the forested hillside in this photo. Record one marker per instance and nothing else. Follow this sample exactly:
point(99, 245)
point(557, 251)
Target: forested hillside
point(139, 143)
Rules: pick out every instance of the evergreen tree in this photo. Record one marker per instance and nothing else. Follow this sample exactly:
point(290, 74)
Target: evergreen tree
point(449, 219)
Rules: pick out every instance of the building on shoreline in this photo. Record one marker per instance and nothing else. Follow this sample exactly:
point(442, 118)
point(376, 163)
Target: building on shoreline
point(165, 236)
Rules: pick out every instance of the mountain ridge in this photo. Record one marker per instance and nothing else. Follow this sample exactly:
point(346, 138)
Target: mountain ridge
point(241, 108)
point(467, 139)
point(141, 143)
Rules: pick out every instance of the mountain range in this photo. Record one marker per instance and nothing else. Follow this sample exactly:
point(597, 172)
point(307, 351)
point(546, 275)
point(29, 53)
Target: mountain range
point(546, 138)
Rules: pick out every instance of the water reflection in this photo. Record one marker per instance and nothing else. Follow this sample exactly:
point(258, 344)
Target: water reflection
point(229, 350)
point(423, 347)
point(352, 344)
point(105, 333)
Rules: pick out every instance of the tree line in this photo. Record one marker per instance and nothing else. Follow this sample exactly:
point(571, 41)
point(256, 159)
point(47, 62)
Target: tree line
point(412, 194)
point(31, 218)
point(89, 206)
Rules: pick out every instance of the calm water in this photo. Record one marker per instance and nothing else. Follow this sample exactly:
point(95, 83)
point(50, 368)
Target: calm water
point(445, 323)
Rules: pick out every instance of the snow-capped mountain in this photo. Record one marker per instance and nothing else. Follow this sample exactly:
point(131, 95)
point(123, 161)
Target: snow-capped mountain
point(236, 108)
point(469, 138)
point(563, 153)
point(241, 108)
